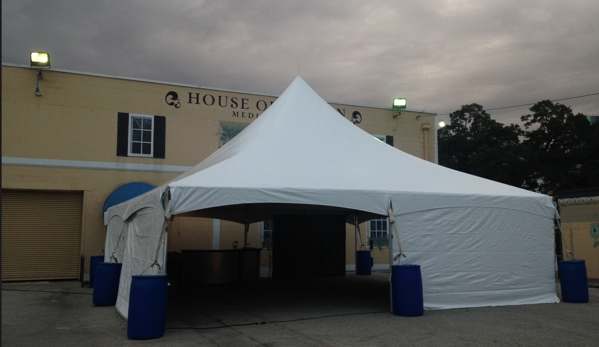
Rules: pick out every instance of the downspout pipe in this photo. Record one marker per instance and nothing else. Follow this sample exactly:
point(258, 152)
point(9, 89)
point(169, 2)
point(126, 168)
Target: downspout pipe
point(425, 128)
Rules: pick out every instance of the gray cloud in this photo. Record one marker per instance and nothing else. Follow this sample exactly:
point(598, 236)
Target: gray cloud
point(439, 54)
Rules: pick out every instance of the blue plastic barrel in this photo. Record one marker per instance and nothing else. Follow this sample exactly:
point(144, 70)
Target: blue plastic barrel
point(147, 307)
point(106, 286)
point(363, 263)
point(93, 262)
point(573, 280)
point(406, 289)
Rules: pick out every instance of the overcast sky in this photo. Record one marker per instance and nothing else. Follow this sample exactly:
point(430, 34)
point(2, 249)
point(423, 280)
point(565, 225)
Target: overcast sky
point(439, 54)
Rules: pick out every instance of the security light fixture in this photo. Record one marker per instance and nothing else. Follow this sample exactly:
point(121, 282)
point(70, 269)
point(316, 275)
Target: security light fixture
point(399, 104)
point(40, 60)
point(442, 124)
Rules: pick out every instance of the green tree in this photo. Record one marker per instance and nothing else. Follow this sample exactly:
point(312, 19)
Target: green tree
point(476, 144)
point(590, 168)
point(560, 148)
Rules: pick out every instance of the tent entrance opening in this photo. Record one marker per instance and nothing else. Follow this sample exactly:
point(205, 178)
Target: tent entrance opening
point(308, 246)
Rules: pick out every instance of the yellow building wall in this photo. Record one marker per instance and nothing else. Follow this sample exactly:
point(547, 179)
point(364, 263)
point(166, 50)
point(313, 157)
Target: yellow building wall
point(576, 231)
point(190, 233)
point(75, 120)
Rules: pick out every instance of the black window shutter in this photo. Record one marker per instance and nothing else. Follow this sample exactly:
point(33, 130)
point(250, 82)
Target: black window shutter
point(159, 137)
point(122, 135)
point(389, 140)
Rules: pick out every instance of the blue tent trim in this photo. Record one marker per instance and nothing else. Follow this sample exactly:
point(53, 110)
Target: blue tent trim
point(126, 192)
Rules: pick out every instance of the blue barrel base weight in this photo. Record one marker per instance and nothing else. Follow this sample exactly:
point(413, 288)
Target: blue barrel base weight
point(94, 260)
point(147, 307)
point(406, 290)
point(363, 263)
point(106, 286)
point(573, 281)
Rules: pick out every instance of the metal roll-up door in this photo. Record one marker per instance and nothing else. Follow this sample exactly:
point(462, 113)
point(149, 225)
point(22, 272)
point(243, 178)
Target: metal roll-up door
point(41, 235)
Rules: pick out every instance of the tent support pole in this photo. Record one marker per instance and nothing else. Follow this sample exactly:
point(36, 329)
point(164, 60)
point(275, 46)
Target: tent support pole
point(355, 243)
point(246, 229)
point(245, 234)
point(391, 244)
point(164, 256)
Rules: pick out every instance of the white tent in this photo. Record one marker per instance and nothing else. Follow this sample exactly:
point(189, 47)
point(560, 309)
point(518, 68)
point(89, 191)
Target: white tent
point(479, 243)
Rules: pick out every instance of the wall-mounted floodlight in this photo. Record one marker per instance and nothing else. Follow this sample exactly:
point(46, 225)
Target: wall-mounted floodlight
point(399, 104)
point(40, 60)
point(442, 124)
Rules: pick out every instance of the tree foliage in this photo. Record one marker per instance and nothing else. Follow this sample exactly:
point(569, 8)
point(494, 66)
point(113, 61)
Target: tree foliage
point(558, 145)
point(476, 144)
point(556, 150)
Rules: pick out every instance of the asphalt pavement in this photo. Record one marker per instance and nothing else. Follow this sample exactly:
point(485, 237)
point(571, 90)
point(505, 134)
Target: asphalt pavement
point(339, 311)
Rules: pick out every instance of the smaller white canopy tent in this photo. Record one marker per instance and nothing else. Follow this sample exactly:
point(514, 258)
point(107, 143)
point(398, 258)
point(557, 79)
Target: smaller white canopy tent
point(479, 243)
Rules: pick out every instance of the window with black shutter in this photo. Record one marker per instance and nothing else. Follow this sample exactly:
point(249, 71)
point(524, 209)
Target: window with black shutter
point(140, 135)
point(388, 139)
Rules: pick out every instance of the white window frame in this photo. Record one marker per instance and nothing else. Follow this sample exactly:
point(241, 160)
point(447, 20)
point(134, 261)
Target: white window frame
point(385, 231)
point(130, 137)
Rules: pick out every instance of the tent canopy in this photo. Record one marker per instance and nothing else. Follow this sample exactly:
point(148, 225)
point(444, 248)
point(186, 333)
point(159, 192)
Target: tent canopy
point(301, 151)
point(479, 242)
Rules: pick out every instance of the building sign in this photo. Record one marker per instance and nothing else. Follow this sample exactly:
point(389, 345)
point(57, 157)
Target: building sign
point(240, 107)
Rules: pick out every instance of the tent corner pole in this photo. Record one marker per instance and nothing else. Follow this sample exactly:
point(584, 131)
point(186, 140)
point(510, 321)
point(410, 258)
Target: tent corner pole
point(390, 271)
point(245, 234)
point(355, 242)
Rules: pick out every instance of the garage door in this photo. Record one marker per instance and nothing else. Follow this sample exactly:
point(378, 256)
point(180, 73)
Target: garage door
point(41, 235)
